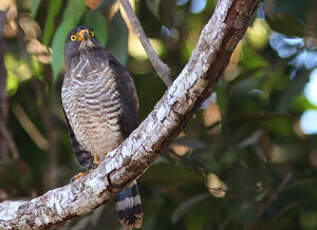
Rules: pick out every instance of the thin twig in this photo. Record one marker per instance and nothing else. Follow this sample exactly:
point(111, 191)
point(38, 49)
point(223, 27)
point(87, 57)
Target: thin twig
point(285, 181)
point(3, 84)
point(273, 197)
point(163, 71)
point(7, 138)
point(29, 127)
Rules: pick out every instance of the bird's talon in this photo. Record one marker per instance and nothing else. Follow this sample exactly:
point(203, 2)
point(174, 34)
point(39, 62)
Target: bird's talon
point(96, 161)
point(81, 174)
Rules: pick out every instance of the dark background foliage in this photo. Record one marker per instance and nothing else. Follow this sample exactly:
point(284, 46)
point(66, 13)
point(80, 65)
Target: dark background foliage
point(248, 158)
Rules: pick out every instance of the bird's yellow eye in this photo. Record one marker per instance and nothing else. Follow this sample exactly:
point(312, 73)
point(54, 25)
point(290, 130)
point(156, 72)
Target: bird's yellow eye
point(73, 37)
point(91, 33)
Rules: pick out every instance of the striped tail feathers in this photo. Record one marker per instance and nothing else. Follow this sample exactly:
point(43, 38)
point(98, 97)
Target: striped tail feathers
point(129, 207)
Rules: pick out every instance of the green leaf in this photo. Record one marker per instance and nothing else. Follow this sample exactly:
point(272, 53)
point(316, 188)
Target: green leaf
point(197, 218)
point(245, 217)
point(97, 21)
point(58, 47)
point(170, 175)
point(308, 220)
point(286, 100)
point(301, 103)
point(73, 13)
point(34, 7)
point(286, 24)
point(118, 38)
point(252, 59)
point(187, 205)
point(293, 7)
point(281, 126)
point(53, 10)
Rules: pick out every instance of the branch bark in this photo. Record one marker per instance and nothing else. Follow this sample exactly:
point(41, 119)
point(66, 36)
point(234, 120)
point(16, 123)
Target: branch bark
point(162, 70)
point(126, 163)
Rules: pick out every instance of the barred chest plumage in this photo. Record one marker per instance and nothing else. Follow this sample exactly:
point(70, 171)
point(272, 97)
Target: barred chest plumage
point(93, 106)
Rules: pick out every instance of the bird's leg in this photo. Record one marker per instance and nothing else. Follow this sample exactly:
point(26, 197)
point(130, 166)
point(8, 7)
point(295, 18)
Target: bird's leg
point(96, 161)
point(80, 175)
point(95, 165)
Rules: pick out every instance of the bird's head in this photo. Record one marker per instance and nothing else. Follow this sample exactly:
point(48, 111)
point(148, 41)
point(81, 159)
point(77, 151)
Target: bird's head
point(81, 39)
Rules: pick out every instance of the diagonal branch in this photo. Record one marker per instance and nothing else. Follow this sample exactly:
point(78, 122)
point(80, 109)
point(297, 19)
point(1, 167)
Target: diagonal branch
point(8, 139)
point(160, 67)
point(195, 83)
point(3, 85)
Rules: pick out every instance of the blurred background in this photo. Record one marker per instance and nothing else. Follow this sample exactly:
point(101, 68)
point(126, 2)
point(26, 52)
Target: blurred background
point(248, 158)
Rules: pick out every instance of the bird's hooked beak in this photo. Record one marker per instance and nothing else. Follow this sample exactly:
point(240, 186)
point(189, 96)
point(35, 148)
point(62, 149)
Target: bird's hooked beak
point(85, 40)
point(83, 35)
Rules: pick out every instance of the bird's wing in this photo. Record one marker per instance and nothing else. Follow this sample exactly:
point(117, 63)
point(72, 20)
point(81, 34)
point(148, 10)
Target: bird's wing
point(84, 158)
point(128, 96)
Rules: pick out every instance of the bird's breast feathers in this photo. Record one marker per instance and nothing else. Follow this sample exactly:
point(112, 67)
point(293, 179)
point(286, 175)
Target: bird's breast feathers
point(93, 107)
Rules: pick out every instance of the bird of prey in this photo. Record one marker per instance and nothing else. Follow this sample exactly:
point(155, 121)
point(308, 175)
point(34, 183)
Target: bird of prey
point(100, 104)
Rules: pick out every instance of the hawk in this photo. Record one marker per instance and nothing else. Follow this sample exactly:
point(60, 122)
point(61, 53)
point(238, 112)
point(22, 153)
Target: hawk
point(100, 104)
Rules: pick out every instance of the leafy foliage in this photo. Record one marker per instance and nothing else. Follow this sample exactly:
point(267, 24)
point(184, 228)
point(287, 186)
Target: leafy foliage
point(72, 14)
point(244, 160)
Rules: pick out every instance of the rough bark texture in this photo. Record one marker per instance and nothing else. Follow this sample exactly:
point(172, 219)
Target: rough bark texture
point(195, 83)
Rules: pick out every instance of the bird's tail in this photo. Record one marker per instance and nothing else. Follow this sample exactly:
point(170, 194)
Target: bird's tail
point(129, 207)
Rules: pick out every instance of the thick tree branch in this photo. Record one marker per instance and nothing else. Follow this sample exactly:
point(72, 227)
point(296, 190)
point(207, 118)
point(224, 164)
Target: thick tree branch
point(218, 39)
